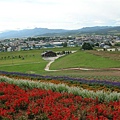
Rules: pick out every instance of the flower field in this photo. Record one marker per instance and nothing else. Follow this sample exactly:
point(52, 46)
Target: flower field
point(23, 99)
point(17, 103)
point(109, 83)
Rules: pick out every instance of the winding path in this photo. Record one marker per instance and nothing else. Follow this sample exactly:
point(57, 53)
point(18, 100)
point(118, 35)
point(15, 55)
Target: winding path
point(52, 59)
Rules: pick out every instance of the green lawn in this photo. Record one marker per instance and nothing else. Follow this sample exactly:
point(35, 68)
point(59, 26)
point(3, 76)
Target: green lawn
point(84, 59)
point(33, 63)
point(26, 67)
point(22, 61)
point(26, 61)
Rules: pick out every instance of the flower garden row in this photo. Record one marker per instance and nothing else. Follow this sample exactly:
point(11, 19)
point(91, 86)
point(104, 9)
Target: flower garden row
point(84, 86)
point(41, 101)
point(107, 83)
point(61, 98)
point(102, 95)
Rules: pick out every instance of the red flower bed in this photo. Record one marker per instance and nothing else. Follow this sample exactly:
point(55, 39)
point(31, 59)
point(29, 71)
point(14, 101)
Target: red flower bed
point(41, 104)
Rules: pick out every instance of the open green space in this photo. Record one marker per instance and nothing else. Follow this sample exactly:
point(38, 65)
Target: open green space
point(26, 61)
point(26, 67)
point(86, 60)
point(32, 62)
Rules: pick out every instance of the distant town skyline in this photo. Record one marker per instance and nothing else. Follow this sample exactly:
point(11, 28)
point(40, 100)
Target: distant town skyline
point(58, 14)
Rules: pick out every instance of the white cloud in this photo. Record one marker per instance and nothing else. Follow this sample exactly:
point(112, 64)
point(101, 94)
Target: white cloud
point(66, 14)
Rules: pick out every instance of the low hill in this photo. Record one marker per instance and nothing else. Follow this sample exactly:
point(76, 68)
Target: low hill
point(98, 30)
point(29, 32)
point(60, 32)
point(83, 59)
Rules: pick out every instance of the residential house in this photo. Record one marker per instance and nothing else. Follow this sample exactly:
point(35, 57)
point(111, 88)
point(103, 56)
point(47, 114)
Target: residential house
point(111, 49)
point(100, 49)
point(49, 54)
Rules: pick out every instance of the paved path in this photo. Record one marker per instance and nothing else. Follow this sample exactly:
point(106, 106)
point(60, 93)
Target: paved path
point(51, 60)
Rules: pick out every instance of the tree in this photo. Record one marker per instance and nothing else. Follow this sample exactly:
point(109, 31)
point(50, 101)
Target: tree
point(117, 44)
point(64, 44)
point(97, 44)
point(87, 46)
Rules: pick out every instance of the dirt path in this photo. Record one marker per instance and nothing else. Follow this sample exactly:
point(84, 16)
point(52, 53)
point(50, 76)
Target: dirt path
point(93, 69)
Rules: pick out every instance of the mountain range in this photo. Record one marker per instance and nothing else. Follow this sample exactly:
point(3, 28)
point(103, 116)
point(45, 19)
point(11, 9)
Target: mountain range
point(59, 32)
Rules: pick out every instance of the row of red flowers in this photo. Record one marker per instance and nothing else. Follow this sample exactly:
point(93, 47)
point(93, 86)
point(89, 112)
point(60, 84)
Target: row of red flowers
point(17, 103)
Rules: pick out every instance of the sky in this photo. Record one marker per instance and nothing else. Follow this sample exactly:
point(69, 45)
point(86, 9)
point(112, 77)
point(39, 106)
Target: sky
point(58, 14)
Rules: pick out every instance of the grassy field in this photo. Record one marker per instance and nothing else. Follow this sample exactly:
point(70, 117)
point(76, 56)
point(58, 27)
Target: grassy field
point(26, 61)
point(32, 62)
point(97, 75)
point(23, 61)
point(84, 59)
point(112, 55)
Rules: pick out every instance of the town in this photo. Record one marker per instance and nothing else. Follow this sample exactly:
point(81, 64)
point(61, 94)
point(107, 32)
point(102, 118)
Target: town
point(101, 42)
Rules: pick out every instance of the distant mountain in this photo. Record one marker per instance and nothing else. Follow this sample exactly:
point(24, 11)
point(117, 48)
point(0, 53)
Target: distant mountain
point(101, 29)
point(57, 32)
point(98, 30)
point(29, 32)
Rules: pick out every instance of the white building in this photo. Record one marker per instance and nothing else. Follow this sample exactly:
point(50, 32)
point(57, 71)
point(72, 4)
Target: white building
point(111, 49)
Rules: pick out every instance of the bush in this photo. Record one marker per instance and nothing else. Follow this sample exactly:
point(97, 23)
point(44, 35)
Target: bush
point(87, 46)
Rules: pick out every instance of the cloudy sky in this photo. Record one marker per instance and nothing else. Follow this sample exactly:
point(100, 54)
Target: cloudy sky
point(61, 14)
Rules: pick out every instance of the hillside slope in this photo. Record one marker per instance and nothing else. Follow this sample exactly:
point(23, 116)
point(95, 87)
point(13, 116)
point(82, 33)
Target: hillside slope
point(85, 60)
